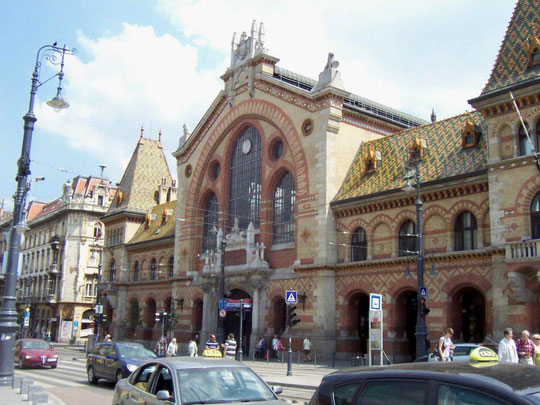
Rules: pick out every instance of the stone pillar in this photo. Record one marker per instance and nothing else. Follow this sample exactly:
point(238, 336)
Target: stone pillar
point(324, 320)
point(209, 320)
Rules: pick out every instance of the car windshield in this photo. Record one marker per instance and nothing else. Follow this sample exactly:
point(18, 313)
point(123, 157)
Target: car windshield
point(35, 344)
point(134, 351)
point(221, 385)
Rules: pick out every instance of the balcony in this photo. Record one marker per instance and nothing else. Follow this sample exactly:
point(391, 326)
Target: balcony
point(50, 298)
point(53, 269)
point(523, 251)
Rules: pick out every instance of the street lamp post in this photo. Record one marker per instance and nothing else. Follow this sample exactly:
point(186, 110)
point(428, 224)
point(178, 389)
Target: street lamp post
point(8, 314)
point(220, 239)
point(160, 316)
point(421, 331)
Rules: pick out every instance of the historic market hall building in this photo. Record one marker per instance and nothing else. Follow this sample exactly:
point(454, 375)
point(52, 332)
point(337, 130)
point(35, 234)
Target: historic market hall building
point(302, 180)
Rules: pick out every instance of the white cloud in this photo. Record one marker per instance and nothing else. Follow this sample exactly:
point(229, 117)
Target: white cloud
point(131, 79)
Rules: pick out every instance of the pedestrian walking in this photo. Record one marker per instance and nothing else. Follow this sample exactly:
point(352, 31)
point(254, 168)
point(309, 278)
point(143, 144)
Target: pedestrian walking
point(446, 345)
point(536, 341)
point(172, 349)
point(193, 349)
point(507, 347)
point(161, 346)
point(307, 348)
point(274, 347)
point(211, 344)
point(525, 349)
point(107, 338)
point(229, 347)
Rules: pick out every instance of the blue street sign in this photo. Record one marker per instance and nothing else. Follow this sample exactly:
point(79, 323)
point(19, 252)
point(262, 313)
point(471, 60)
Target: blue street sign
point(222, 304)
point(291, 297)
point(375, 302)
point(423, 292)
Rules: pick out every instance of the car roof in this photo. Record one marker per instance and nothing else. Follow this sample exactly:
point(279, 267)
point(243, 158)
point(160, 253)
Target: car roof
point(122, 343)
point(199, 362)
point(511, 376)
point(31, 340)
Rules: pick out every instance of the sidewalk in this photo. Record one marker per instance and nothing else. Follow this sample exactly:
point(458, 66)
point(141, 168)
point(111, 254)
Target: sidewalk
point(12, 396)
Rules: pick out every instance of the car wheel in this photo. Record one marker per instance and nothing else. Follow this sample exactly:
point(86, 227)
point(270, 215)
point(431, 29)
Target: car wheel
point(91, 376)
point(54, 366)
point(21, 365)
point(119, 375)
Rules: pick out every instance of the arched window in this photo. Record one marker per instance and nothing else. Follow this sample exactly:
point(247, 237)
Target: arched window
point(153, 269)
point(465, 231)
point(284, 198)
point(358, 245)
point(171, 266)
point(210, 218)
point(112, 271)
point(535, 217)
point(136, 270)
point(524, 144)
point(245, 188)
point(407, 238)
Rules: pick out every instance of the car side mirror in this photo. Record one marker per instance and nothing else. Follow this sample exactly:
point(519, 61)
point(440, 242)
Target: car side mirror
point(51, 347)
point(163, 395)
point(278, 389)
point(111, 357)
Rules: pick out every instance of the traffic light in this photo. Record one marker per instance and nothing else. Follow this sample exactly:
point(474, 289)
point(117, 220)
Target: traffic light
point(292, 318)
point(423, 309)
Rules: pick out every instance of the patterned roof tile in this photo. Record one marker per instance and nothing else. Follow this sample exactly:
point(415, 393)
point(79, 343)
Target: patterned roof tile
point(511, 66)
point(444, 158)
point(157, 228)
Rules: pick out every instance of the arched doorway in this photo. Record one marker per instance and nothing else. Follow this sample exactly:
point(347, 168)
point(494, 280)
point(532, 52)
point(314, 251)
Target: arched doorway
point(280, 316)
point(197, 316)
point(232, 321)
point(405, 315)
point(358, 314)
point(149, 318)
point(469, 316)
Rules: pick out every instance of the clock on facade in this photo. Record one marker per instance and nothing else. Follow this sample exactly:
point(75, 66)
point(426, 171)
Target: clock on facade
point(246, 146)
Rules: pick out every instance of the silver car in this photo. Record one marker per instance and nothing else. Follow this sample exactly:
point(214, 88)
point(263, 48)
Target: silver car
point(195, 380)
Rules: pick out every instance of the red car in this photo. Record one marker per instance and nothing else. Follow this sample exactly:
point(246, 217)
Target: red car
point(35, 353)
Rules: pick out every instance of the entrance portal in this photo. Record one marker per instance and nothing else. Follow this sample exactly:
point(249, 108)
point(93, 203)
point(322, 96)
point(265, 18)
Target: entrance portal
point(469, 315)
point(232, 321)
point(358, 309)
point(406, 307)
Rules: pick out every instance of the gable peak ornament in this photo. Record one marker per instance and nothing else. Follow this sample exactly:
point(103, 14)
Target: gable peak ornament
point(248, 45)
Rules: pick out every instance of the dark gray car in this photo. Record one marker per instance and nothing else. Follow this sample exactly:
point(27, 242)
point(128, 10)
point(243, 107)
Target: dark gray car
point(195, 380)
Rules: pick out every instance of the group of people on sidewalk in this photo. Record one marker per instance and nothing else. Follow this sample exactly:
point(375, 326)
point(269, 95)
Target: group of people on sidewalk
point(526, 351)
point(277, 348)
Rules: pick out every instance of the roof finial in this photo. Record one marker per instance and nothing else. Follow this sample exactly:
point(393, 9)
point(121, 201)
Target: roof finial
point(142, 130)
point(433, 116)
point(159, 136)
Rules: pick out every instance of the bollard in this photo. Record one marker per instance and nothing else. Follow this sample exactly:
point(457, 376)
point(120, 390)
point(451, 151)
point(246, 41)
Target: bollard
point(315, 359)
point(298, 357)
point(267, 356)
point(24, 386)
point(41, 398)
point(33, 390)
point(16, 382)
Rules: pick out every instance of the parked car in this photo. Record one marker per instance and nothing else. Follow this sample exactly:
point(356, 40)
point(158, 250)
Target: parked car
point(35, 353)
point(441, 383)
point(115, 360)
point(461, 353)
point(195, 380)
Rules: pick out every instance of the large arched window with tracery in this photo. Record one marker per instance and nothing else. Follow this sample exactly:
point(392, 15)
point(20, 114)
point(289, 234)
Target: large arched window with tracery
point(284, 198)
point(245, 186)
point(359, 245)
point(535, 217)
point(210, 218)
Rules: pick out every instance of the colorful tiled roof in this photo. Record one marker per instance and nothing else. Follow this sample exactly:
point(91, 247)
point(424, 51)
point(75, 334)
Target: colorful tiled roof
point(511, 64)
point(444, 158)
point(145, 172)
point(161, 224)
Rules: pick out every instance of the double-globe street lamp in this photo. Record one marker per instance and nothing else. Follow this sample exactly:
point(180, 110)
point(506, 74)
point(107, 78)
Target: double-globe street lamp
point(413, 171)
point(8, 314)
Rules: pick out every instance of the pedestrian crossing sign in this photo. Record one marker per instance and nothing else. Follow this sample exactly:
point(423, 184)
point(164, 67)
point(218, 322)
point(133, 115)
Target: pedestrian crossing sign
point(291, 297)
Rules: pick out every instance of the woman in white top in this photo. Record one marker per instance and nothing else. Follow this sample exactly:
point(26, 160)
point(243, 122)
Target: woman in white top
point(193, 349)
point(172, 349)
point(446, 346)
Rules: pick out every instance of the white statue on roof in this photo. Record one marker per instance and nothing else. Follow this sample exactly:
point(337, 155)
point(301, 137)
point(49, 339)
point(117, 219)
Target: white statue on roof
point(330, 76)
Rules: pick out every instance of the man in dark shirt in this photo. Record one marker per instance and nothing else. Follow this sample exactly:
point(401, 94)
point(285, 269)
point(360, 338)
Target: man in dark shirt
point(525, 349)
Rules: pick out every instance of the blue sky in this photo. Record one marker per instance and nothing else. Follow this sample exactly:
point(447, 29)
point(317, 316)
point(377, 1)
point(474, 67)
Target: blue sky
point(156, 63)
